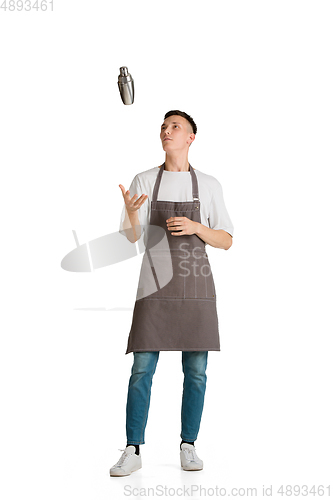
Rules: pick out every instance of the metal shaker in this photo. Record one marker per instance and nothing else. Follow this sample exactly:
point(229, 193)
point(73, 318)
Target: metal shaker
point(126, 86)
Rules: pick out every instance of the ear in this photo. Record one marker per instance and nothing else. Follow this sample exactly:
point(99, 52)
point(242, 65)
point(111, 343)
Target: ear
point(191, 139)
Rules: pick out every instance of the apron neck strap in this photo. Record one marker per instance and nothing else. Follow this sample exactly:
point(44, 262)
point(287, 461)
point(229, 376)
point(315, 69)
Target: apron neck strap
point(195, 189)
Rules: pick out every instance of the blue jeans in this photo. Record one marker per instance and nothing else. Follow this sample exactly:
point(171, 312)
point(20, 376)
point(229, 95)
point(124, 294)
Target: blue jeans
point(194, 365)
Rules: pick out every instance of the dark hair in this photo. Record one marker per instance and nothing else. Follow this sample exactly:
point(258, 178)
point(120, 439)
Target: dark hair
point(184, 115)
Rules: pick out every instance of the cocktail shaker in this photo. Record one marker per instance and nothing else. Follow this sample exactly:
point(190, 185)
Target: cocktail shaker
point(126, 86)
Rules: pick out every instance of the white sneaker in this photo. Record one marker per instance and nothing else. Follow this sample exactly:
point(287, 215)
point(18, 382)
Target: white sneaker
point(189, 459)
point(128, 462)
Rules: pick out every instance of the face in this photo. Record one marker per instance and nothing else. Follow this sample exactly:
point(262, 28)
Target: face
point(175, 134)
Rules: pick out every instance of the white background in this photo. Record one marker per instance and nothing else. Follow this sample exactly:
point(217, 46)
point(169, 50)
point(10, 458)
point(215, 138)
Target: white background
point(257, 78)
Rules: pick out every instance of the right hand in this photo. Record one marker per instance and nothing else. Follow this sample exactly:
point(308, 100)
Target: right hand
point(131, 203)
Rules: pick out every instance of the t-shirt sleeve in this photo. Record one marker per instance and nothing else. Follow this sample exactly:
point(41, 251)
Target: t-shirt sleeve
point(218, 215)
point(135, 188)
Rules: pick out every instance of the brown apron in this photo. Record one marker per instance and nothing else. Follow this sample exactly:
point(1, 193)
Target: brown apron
point(181, 315)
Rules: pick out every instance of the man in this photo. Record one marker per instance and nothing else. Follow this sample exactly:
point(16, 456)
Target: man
point(180, 315)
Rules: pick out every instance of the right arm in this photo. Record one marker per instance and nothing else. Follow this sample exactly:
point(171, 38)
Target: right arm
point(131, 222)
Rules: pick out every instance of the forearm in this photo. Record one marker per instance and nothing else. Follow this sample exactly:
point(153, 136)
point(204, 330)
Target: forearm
point(132, 226)
point(217, 238)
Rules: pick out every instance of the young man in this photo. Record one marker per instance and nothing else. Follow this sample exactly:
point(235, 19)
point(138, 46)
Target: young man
point(181, 314)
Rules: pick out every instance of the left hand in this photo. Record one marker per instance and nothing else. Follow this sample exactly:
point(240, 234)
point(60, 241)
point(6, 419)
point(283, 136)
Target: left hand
point(181, 224)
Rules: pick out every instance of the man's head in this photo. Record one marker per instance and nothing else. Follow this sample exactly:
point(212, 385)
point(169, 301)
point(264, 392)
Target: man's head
point(192, 128)
point(177, 131)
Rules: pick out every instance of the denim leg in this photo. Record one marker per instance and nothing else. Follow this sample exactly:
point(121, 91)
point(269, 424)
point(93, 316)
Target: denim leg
point(194, 368)
point(138, 397)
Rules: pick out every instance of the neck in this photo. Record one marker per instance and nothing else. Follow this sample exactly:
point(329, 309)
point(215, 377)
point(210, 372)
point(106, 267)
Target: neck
point(177, 163)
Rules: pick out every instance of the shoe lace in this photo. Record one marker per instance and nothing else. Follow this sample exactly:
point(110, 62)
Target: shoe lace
point(190, 454)
point(124, 457)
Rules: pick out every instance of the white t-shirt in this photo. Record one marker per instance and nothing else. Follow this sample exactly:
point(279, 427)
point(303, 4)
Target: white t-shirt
point(177, 186)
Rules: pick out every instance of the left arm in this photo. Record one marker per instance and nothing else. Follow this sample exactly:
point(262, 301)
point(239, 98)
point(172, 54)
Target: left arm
point(215, 237)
